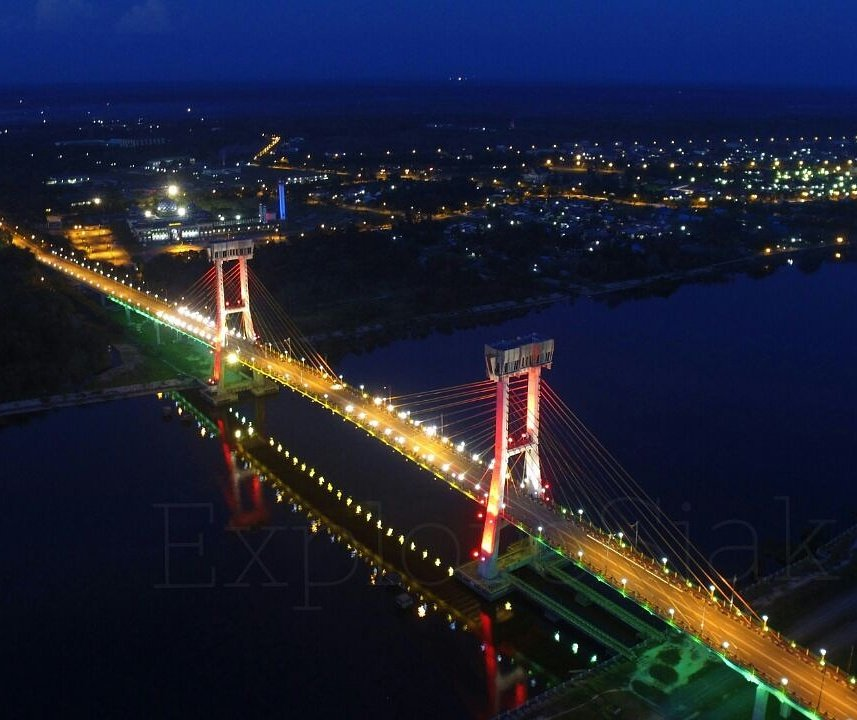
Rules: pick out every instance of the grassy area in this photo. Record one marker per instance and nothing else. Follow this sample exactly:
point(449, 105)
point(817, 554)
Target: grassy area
point(151, 352)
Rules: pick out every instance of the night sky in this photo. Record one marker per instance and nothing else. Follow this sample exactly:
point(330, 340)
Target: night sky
point(688, 42)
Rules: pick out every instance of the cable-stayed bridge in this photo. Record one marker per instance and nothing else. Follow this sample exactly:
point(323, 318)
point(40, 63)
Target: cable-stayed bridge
point(510, 444)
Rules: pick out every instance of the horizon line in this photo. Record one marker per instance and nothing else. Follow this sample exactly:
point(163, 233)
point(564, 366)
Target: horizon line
point(449, 82)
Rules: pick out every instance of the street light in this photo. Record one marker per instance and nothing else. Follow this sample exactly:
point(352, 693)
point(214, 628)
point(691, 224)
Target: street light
point(764, 623)
point(821, 686)
point(624, 584)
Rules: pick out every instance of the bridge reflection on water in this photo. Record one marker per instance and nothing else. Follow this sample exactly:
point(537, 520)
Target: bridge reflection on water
point(519, 645)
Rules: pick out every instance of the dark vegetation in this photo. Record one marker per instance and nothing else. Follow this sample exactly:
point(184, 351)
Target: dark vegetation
point(669, 656)
point(342, 280)
point(49, 342)
point(663, 674)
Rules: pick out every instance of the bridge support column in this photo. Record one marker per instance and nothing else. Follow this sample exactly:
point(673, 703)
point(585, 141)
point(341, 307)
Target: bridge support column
point(157, 333)
point(532, 466)
point(760, 704)
point(496, 493)
point(246, 319)
point(262, 385)
point(219, 326)
point(127, 314)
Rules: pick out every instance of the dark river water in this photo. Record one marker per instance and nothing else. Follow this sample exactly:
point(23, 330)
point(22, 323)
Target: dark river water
point(732, 405)
point(125, 593)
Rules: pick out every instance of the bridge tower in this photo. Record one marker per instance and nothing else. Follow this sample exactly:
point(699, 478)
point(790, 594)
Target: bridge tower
point(503, 360)
point(239, 251)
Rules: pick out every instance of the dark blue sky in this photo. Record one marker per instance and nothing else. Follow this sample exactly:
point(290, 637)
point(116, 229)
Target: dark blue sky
point(756, 42)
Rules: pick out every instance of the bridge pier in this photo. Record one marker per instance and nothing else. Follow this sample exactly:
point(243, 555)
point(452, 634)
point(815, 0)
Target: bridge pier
point(218, 397)
point(262, 386)
point(760, 704)
point(517, 555)
point(543, 558)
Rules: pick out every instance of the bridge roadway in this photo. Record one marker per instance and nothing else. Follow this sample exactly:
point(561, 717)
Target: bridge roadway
point(740, 639)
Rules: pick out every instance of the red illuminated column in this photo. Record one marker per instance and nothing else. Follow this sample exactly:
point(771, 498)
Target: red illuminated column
point(249, 332)
point(220, 324)
point(491, 533)
point(532, 468)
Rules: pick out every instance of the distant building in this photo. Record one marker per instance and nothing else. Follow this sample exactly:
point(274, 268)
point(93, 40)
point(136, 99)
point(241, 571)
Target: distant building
point(281, 196)
point(265, 215)
point(172, 223)
point(165, 231)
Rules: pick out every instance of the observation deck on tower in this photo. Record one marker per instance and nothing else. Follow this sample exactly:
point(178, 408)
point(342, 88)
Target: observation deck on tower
point(231, 250)
point(510, 357)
